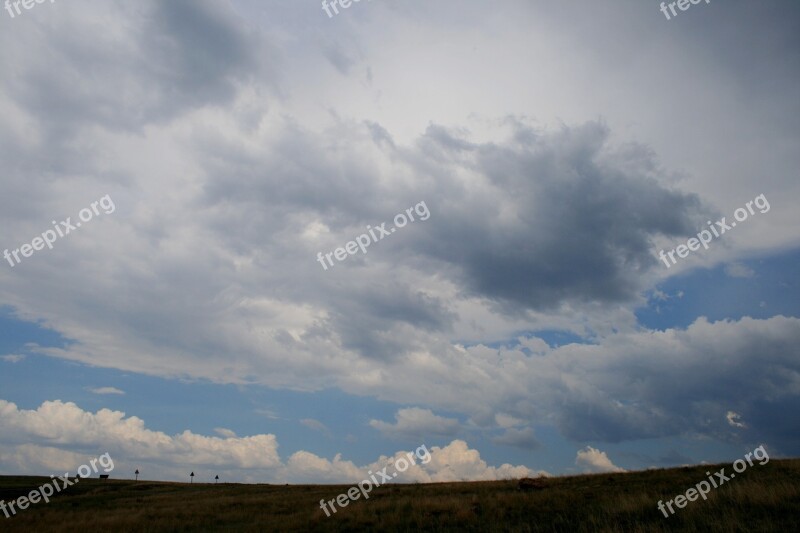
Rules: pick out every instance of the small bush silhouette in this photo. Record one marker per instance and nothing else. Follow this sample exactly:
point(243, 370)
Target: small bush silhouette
point(528, 483)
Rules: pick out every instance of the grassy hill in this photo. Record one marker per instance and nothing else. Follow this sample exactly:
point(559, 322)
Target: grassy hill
point(763, 498)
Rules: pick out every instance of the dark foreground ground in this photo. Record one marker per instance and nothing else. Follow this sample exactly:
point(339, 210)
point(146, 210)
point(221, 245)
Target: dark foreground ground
point(762, 498)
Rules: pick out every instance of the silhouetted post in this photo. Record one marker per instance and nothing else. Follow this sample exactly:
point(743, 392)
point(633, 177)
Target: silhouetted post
point(216, 478)
point(137, 474)
point(191, 477)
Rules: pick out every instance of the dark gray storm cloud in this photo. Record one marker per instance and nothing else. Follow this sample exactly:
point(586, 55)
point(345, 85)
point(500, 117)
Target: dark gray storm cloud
point(573, 220)
point(686, 381)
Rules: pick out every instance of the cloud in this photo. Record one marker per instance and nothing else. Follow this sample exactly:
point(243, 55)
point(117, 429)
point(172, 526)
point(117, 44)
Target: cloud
point(416, 422)
point(507, 421)
point(163, 61)
point(519, 438)
point(44, 460)
point(226, 433)
point(457, 462)
point(593, 461)
point(316, 425)
point(454, 462)
point(738, 270)
point(734, 419)
point(268, 413)
point(461, 267)
point(392, 324)
point(60, 436)
point(623, 386)
point(508, 256)
point(105, 390)
point(533, 227)
point(337, 55)
point(56, 423)
point(306, 467)
point(597, 404)
point(12, 358)
point(659, 295)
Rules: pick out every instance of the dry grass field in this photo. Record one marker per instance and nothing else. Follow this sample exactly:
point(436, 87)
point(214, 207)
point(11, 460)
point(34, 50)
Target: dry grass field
point(763, 498)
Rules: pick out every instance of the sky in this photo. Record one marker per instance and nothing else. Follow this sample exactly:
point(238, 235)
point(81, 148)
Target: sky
point(177, 178)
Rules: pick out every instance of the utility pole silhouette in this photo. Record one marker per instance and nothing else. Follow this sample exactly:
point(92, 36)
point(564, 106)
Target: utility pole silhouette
point(137, 474)
point(191, 477)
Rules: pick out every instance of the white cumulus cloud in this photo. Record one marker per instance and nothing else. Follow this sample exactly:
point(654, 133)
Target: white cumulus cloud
point(60, 436)
point(592, 461)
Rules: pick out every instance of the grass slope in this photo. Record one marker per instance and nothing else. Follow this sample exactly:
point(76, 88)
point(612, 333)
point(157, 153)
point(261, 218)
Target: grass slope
point(762, 498)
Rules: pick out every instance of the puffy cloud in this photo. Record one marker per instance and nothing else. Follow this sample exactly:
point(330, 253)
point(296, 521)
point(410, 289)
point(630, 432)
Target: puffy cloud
point(454, 462)
point(43, 460)
point(305, 467)
point(60, 436)
point(457, 462)
point(593, 461)
point(415, 422)
point(56, 424)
